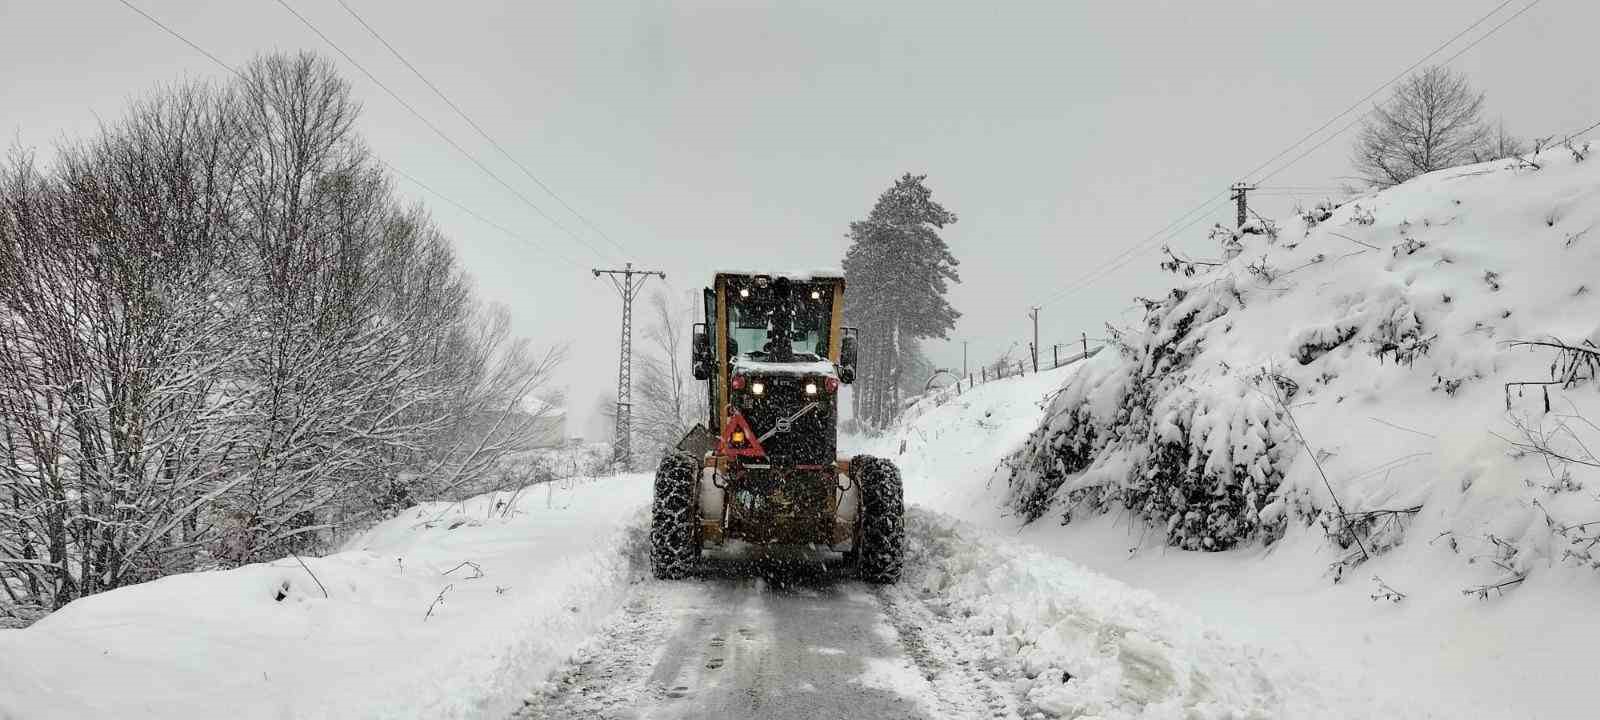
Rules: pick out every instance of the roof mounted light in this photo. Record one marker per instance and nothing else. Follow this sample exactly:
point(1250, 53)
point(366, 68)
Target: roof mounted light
point(762, 281)
point(816, 294)
point(744, 292)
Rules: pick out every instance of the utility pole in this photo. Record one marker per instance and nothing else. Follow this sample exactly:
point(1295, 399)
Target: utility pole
point(1240, 190)
point(627, 281)
point(963, 358)
point(1034, 348)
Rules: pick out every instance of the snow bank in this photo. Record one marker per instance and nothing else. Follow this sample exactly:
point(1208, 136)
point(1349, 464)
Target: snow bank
point(1085, 646)
point(1378, 337)
point(405, 628)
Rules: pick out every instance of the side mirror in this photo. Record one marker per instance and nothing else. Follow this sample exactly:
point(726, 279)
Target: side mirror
point(700, 353)
point(847, 359)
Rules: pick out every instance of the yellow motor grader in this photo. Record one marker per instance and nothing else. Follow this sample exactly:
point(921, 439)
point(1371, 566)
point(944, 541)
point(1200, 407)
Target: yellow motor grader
point(764, 469)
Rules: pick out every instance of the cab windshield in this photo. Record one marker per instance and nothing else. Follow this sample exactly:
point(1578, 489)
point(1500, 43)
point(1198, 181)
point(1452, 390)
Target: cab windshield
point(761, 324)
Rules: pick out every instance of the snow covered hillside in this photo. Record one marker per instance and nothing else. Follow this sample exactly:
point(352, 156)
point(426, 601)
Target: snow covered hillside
point(445, 611)
point(1382, 338)
point(1458, 575)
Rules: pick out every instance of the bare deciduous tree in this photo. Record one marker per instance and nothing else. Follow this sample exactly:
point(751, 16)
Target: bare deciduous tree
point(1432, 120)
point(222, 339)
point(1499, 144)
point(668, 401)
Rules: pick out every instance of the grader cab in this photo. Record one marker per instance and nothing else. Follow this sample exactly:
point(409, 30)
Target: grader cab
point(764, 469)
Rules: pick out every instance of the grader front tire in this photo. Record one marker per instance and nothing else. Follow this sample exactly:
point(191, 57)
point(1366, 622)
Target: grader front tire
point(675, 517)
point(880, 553)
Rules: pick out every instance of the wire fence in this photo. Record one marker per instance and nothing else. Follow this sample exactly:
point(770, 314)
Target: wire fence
point(999, 370)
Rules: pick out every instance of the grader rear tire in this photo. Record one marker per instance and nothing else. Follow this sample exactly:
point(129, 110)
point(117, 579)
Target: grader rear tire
point(880, 551)
point(675, 517)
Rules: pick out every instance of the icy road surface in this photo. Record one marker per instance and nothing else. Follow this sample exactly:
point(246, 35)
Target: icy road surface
point(771, 638)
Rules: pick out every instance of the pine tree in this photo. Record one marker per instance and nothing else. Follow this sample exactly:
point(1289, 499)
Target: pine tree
point(897, 272)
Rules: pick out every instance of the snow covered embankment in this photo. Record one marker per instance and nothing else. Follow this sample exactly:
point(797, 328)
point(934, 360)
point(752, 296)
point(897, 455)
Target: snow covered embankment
point(1390, 435)
point(405, 630)
point(1379, 336)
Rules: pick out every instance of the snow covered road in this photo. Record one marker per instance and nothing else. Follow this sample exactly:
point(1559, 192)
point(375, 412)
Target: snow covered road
point(981, 627)
point(772, 638)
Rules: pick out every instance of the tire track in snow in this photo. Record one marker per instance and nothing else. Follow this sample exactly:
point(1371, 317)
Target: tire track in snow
point(783, 640)
point(965, 686)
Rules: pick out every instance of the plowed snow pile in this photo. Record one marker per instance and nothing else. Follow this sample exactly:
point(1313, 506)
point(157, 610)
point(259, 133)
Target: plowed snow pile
point(1082, 645)
point(406, 629)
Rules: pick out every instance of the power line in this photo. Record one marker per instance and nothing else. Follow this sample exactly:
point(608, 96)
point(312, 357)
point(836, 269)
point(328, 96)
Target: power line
point(437, 131)
point(1120, 259)
point(508, 232)
point(1137, 251)
point(1100, 270)
point(475, 126)
point(392, 168)
point(180, 37)
point(1583, 132)
point(1387, 83)
point(1446, 61)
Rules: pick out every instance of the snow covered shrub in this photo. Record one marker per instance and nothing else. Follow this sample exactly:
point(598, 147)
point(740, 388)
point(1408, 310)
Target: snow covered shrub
point(1262, 226)
point(1228, 238)
point(1316, 214)
point(1262, 270)
point(1362, 216)
point(1579, 152)
point(1316, 342)
point(1073, 451)
point(1198, 456)
point(1399, 335)
point(1408, 246)
point(1183, 265)
point(1214, 469)
point(1388, 323)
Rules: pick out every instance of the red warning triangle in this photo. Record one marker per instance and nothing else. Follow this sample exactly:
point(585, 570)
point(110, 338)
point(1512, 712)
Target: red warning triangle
point(748, 445)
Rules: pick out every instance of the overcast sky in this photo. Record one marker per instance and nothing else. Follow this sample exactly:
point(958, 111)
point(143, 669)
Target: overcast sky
point(703, 135)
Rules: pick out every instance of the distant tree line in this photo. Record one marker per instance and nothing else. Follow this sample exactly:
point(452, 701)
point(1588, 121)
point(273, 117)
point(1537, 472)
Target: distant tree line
point(223, 338)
